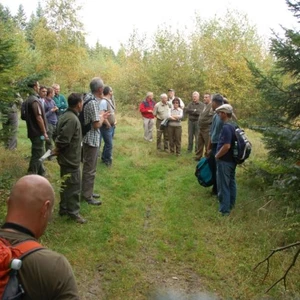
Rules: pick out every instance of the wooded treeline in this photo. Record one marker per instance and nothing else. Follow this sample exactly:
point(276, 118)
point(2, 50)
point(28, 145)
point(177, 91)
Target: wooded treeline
point(224, 55)
point(51, 44)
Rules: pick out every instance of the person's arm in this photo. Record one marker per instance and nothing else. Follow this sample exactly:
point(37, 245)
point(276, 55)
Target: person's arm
point(103, 112)
point(38, 115)
point(223, 150)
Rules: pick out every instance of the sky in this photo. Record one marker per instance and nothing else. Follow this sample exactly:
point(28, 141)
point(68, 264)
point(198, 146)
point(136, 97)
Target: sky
point(112, 22)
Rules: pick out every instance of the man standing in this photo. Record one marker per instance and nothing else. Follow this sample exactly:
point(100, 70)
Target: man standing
point(91, 141)
point(68, 150)
point(226, 164)
point(51, 115)
point(204, 123)
point(10, 122)
point(215, 130)
point(193, 110)
point(146, 109)
point(59, 99)
point(45, 274)
point(171, 97)
point(107, 128)
point(36, 129)
point(161, 112)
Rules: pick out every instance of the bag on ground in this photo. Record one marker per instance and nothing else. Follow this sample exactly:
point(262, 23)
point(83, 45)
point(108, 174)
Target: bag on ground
point(10, 262)
point(204, 171)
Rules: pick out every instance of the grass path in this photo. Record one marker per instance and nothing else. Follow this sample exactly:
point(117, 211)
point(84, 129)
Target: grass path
point(159, 230)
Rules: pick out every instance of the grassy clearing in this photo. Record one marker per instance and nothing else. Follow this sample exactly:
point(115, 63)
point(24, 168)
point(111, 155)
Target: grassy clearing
point(158, 229)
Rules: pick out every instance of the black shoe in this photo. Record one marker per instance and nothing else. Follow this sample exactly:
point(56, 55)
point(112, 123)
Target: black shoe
point(93, 202)
point(63, 213)
point(96, 196)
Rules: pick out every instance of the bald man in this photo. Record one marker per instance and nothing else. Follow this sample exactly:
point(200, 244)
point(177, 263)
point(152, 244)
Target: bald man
point(45, 274)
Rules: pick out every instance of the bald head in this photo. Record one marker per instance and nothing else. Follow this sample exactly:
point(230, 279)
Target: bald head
point(30, 203)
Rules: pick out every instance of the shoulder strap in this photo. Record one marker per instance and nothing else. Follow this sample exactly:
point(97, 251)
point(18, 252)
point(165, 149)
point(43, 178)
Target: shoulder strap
point(24, 248)
point(109, 103)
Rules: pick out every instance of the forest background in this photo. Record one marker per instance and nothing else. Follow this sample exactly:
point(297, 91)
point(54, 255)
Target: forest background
point(224, 56)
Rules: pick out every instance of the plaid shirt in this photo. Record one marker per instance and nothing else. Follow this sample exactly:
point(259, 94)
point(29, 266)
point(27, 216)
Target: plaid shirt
point(92, 114)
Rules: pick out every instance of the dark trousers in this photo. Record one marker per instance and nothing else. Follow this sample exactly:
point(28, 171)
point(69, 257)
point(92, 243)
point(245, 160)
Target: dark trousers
point(214, 168)
point(90, 157)
point(51, 132)
point(70, 190)
point(161, 136)
point(193, 133)
point(37, 151)
point(174, 133)
point(203, 139)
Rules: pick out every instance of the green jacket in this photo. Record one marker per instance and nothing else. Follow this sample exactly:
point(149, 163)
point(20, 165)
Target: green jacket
point(61, 103)
point(68, 140)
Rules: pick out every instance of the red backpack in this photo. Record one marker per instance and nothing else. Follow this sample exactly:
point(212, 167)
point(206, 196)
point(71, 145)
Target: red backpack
point(10, 262)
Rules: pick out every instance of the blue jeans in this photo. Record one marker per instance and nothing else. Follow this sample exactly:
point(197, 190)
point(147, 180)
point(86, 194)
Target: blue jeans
point(226, 185)
point(107, 135)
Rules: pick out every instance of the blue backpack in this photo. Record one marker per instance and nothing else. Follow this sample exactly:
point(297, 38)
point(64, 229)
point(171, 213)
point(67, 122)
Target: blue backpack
point(204, 172)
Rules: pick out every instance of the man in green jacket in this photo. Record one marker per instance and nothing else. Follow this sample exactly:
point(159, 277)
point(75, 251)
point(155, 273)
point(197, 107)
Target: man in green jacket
point(59, 99)
point(68, 150)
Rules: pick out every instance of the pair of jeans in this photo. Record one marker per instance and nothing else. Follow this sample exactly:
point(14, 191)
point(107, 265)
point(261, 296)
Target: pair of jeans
point(226, 185)
point(107, 135)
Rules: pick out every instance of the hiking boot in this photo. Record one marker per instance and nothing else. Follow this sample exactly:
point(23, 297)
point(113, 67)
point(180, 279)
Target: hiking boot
point(92, 201)
point(78, 219)
point(96, 196)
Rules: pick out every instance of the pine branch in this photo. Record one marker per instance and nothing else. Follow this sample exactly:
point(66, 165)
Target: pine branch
point(267, 259)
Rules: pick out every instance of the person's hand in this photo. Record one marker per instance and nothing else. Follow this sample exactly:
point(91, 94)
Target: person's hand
point(46, 136)
point(55, 151)
point(105, 115)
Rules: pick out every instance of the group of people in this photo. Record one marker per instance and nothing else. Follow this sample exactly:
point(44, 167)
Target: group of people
point(211, 132)
point(31, 200)
point(54, 122)
point(168, 113)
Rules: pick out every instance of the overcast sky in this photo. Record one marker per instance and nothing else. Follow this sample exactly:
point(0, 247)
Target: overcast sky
point(111, 22)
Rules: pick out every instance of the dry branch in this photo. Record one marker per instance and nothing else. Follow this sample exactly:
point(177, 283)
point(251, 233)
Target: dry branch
point(267, 259)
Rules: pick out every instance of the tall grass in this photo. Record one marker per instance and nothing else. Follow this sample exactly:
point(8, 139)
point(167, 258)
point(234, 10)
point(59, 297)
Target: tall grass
point(159, 230)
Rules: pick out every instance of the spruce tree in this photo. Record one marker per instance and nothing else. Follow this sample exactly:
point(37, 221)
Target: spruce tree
point(279, 118)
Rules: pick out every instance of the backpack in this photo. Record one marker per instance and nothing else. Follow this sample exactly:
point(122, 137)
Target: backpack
point(10, 262)
point(242, 147)
point(204, 172)
point(85, 128)
point(24, 109)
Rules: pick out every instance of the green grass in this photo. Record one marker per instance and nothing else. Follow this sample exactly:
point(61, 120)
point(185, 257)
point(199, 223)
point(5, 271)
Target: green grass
point(159, 229)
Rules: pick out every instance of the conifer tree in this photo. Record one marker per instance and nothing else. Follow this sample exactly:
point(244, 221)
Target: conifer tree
point(279, 119)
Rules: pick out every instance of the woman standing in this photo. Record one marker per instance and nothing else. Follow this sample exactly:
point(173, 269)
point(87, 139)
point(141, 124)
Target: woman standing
point(174, 127)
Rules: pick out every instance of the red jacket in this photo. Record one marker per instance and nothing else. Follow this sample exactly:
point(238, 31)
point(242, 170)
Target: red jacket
point(147, 104)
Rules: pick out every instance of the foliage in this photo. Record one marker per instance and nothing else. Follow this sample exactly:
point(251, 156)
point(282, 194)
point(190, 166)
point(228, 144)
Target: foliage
point(279, 117)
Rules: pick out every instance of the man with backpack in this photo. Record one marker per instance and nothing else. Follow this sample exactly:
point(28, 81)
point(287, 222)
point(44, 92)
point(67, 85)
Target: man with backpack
point(44, 274)
point(225, 159)
point(91, 141)
point(36, 129)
